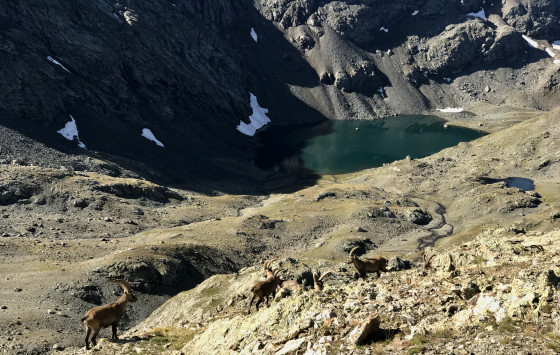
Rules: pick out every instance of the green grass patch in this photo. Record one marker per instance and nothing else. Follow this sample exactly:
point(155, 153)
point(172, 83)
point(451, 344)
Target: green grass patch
point(554, 346)
point(211, 291)
point(177, 338)
point(553, 341)
point(479, 260)
point(443, 334)
point(416, 344)
point(215, 302)
point(507, 325)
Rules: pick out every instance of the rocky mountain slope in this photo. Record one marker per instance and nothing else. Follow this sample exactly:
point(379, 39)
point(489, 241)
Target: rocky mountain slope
point(495, 294)
point(491, 287)
point(185, 71)
point(57, 266)
point(168, 217)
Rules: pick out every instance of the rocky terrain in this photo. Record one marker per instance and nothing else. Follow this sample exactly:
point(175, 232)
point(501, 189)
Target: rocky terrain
point(495, 294)
point(189, 223)
point(491, 286)
point(55, 266)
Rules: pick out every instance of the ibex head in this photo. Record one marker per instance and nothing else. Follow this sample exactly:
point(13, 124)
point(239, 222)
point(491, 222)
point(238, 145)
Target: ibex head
point(352, 255)
point(127, 291)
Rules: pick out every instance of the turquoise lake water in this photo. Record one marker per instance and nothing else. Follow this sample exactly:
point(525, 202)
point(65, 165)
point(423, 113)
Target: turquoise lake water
point(338, 147)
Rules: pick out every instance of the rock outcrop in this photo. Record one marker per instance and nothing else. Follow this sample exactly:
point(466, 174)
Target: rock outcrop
point(492, 296)
point(534, 18)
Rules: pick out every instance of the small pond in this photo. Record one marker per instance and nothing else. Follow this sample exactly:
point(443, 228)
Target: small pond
point(518, 182)
point(338, 147)
point(521, 183)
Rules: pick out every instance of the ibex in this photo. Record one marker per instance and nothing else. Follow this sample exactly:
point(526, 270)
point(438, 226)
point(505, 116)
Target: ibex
point(375, 264)
point(107, 315)
point(267, 267)
point(427, 261)
point(318, 281)
point(292, 284)
point(263, 289)
point(289, 284)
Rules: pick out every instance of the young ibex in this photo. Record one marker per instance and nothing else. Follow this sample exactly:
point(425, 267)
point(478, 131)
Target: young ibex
point(375, 264)
point(292, 284)
point(107, 315)
point(263, 289)
point(318, 281)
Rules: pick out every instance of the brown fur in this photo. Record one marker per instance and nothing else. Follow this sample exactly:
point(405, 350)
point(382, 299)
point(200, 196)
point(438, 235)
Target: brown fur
point(107, 315)
point(318, 281)
point(263, 289)
point(366, 265)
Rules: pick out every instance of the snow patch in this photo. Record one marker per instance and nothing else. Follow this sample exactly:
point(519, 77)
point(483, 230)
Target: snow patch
point(382, 93)
point(384, 29)
point(531, 41)
point(57, 63)
point(481, 14)
point(451, 109)
point(146, 133)
point(448, 79)
point(556, 45)
point(415, 13)
point(257, 120)
point(556, 61)
point(550, 52)
point(70, 131)
point(254, 34)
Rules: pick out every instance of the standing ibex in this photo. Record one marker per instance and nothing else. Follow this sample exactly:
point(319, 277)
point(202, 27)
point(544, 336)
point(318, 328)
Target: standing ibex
point(107, 315)
point(263, 289)
point(318, 281)
point(375, 264)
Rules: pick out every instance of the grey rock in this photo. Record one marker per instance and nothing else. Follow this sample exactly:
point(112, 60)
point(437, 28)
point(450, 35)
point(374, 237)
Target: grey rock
point(467, 43)
point(80, 203)
point(534, 18)
point(470, 290)
point(365, 330)
point(397, 264)
point(418, 216)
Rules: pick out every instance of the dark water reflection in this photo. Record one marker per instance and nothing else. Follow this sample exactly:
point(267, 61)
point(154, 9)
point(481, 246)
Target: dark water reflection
point(337, 147)
point(521, 183)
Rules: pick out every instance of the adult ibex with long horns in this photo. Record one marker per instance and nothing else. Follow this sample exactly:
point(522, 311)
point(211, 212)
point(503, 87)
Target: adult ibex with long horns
point(264, 289)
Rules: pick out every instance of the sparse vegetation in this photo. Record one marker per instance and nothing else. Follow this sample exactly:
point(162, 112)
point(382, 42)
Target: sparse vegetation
point(479, 260)
point(507, 325)
point(51, 239)
point(417, 344)
point(442, 334)
point(174, 338)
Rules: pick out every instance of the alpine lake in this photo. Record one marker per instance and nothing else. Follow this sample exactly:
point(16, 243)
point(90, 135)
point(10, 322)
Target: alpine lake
point(339, 147)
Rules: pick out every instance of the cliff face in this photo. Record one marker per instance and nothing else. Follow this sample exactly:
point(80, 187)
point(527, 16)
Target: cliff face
point(119, 67)
point(375, 58)
point(489, 287)
point(117, 58)
point(185, 69)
